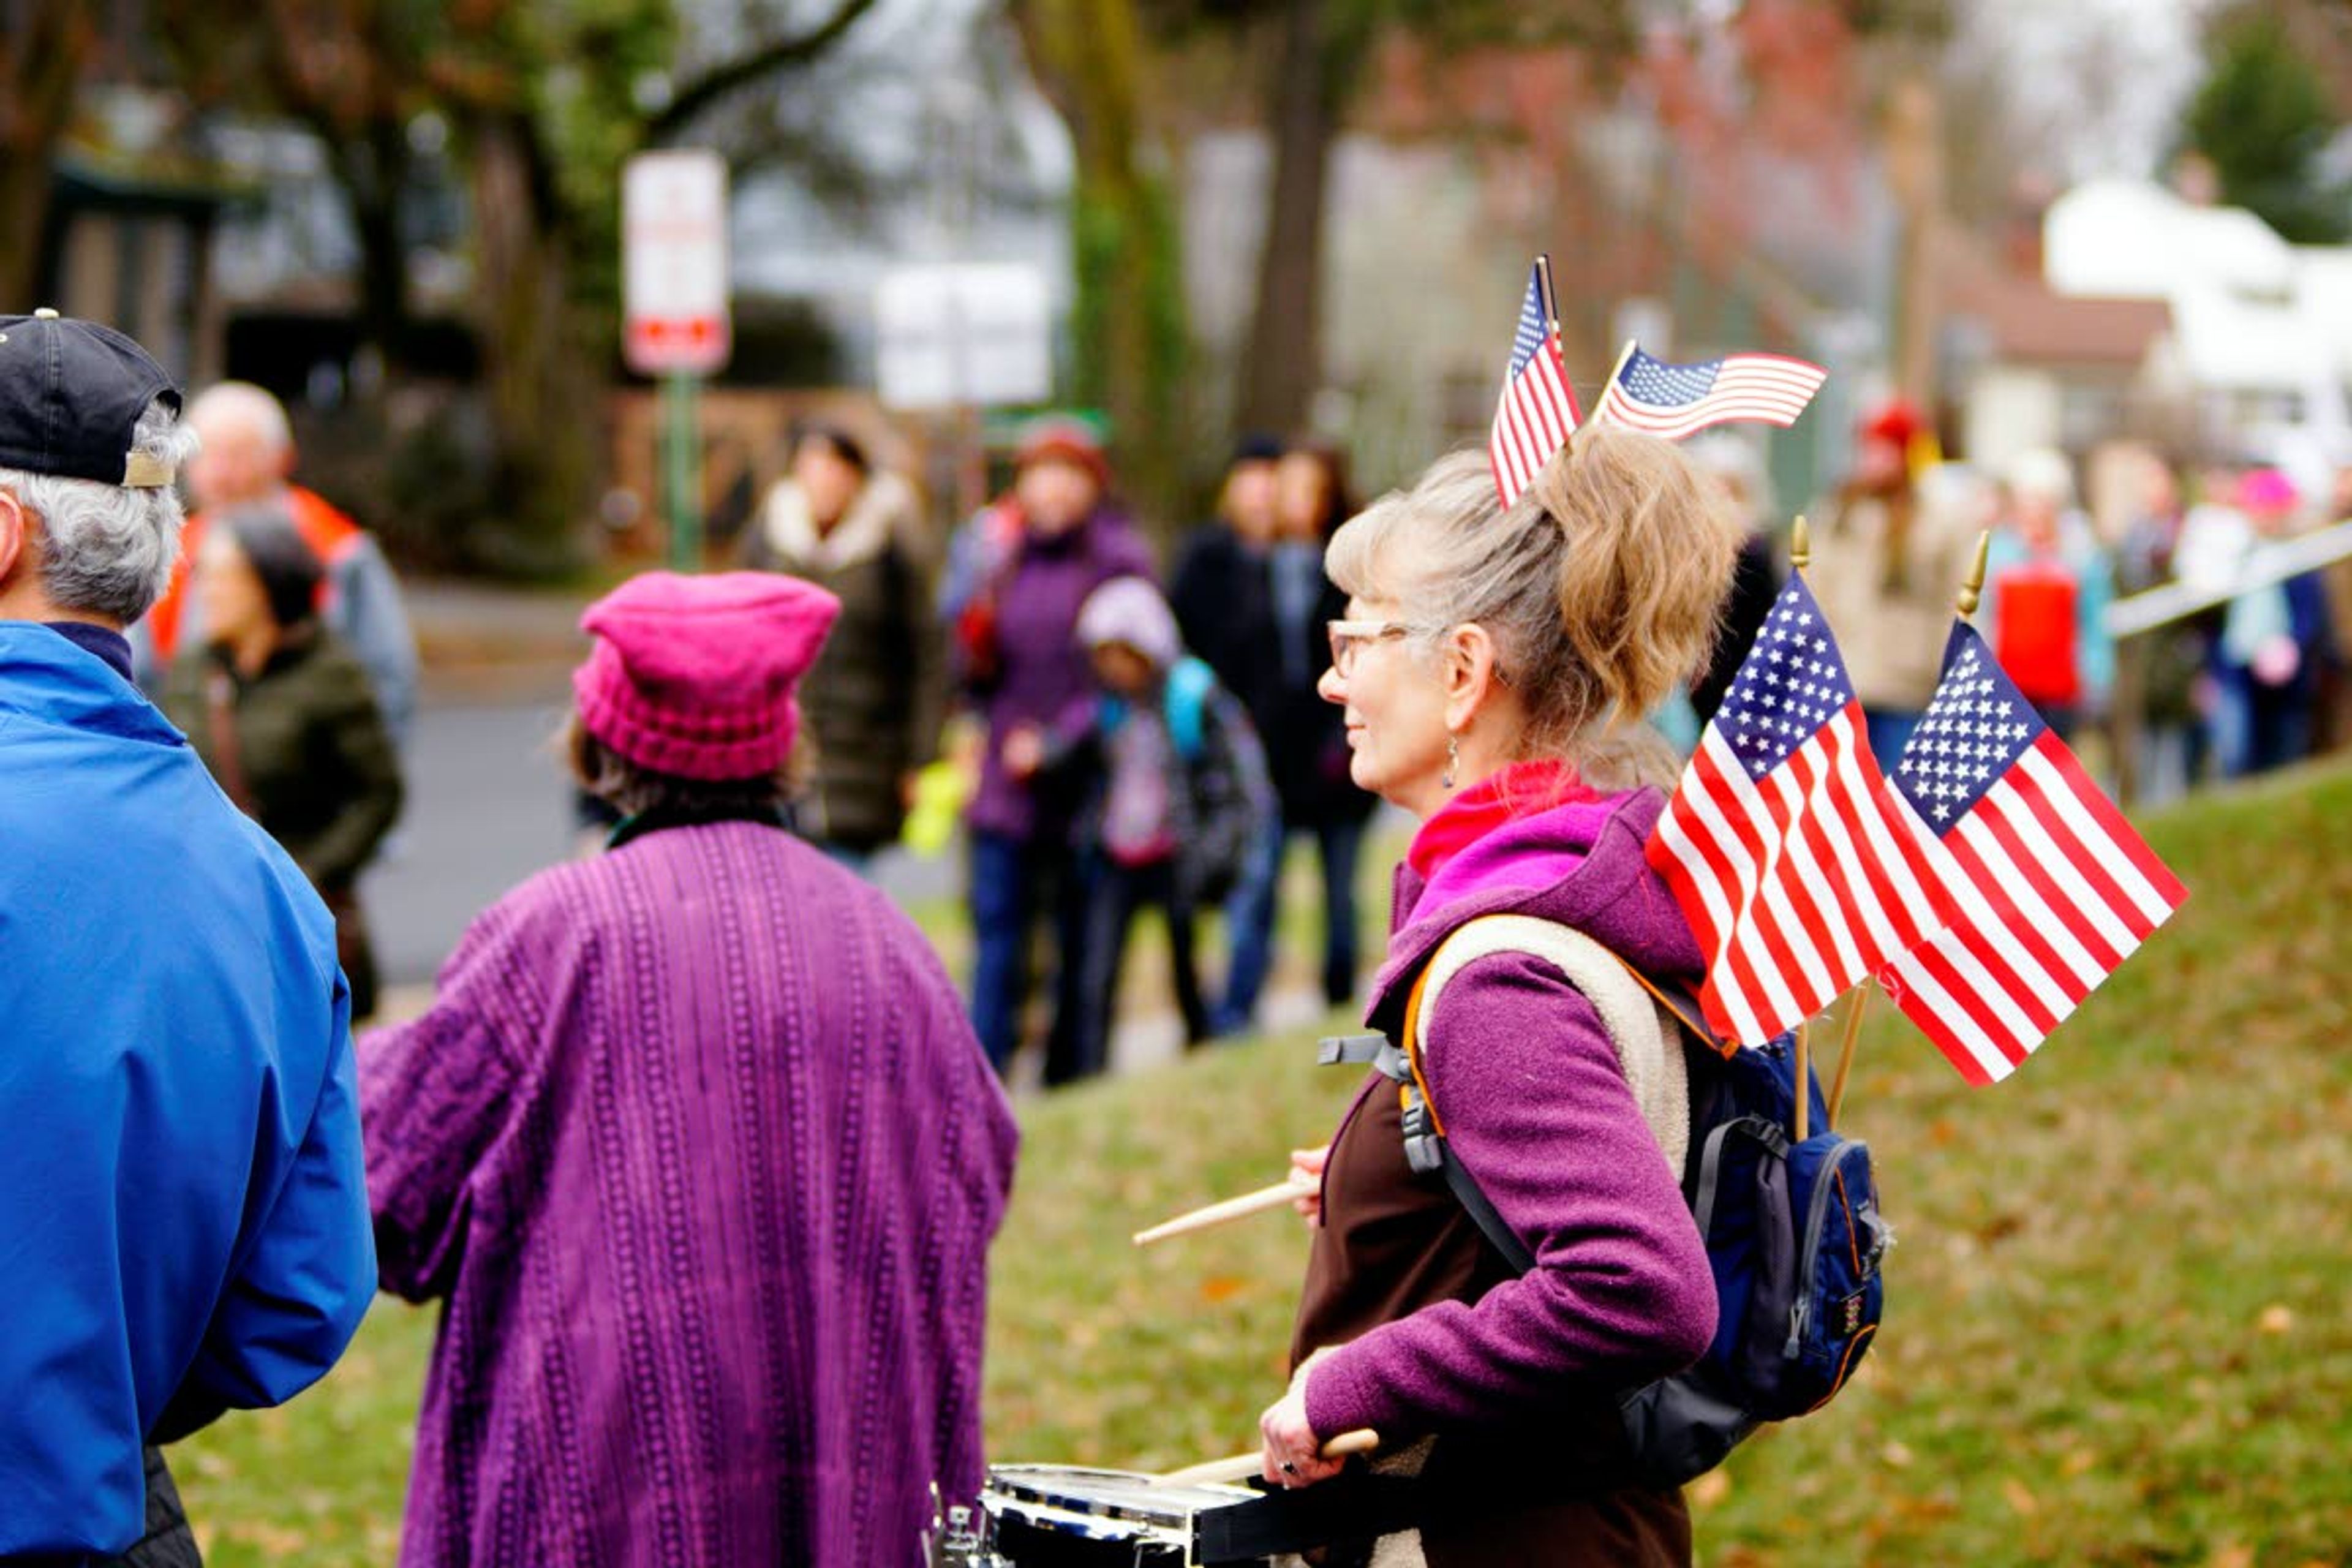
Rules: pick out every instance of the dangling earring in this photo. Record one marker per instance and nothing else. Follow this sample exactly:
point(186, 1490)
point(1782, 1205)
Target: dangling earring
point(1453, 761)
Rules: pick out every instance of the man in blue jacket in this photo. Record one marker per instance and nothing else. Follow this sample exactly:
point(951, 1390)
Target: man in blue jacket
point(184, 1225)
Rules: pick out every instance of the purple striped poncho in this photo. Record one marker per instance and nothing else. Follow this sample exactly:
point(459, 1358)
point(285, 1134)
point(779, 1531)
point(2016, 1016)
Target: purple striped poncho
point(700, 1150)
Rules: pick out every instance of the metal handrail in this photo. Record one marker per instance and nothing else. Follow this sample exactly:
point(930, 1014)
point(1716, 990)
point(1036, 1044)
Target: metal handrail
point(2128, 620)
point(2267, 562)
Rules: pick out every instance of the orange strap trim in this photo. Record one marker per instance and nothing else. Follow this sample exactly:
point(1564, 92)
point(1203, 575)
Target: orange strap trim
point(1705, 1036)
point(1413, 1049)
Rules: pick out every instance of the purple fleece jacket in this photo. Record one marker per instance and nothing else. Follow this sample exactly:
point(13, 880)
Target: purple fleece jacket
point(1536, 1106)
point(1044, 678)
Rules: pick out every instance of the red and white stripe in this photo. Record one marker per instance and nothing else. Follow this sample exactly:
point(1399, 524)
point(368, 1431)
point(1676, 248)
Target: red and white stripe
point(1773, 388)
point(1798, 884)
point(2052, 890)
point(1534, 419)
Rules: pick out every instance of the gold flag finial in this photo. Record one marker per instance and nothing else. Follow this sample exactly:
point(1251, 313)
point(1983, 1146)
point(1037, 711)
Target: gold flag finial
point(1973, 589)
point(1801, 545)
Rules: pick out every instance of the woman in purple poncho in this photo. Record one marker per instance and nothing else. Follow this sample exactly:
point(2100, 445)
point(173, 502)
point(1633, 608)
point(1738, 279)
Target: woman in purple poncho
point(697, 1148)
point(1495, 668)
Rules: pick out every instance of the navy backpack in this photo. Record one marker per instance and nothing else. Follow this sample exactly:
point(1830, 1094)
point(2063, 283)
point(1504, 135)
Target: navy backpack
point(1792, 1230)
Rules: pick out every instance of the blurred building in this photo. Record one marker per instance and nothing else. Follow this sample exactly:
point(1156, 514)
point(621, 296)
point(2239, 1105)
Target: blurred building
point(130, 232)
point(2023, 366)
point(2259, 351)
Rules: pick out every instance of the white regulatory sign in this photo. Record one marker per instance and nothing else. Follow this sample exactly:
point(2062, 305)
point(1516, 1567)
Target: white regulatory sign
point(674, 263)
point(955, 334)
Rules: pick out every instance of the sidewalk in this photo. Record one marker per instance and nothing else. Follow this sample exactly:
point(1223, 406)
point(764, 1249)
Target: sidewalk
point(485, 642)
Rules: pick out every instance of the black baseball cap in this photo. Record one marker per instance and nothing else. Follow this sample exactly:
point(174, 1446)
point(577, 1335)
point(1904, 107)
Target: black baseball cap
point(71, 396)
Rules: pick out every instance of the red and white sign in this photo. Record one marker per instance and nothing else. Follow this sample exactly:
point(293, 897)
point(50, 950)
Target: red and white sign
point(674, 296)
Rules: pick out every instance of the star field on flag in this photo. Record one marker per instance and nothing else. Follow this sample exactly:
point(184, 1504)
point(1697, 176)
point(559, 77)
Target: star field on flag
point(2050, 888)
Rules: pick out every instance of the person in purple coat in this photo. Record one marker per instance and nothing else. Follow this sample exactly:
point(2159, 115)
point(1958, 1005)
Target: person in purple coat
point(1024, 568)
point(1494, 668)
point(696, 1148)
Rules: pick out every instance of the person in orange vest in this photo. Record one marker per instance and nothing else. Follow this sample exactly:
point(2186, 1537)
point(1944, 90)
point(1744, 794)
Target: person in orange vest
point(2047, 583)
point(248, 459)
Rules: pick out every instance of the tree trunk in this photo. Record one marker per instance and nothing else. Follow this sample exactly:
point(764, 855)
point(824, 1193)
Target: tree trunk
point(1285, 362)
point(1129, 322)
point(372, 169)
point(43, 48)
point(537, 374)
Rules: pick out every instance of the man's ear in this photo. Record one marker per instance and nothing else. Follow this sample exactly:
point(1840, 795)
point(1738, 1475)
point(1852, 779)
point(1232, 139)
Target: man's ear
point(15, 524)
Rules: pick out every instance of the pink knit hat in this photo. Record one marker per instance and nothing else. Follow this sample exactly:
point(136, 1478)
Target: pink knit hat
point(2266, 491)
point(694, 676)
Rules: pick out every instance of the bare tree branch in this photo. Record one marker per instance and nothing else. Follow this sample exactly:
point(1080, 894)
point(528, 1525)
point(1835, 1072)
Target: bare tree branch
point(782, 54)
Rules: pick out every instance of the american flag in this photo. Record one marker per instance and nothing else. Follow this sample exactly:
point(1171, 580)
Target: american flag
point(2051, 888)
point(1782, 845)
point(1537, 411)
point(1673, 401)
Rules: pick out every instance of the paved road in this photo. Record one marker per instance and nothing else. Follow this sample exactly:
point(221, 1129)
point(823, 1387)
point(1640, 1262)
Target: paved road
point(488, 806)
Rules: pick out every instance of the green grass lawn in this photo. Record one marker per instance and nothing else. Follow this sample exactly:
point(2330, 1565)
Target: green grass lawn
point(2116, 1331)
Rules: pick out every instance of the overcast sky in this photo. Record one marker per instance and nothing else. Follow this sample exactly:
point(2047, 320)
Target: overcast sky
point(2108, 76)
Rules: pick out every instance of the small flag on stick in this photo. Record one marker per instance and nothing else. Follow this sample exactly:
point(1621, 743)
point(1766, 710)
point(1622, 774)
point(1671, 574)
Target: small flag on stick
point(1781, 844)
point(2050, 890)
point(1673, 401)
point(1538, 412)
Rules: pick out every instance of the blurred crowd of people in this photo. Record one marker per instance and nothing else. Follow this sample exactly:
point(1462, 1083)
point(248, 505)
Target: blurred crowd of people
point(2245, 676)
point(1138, 740)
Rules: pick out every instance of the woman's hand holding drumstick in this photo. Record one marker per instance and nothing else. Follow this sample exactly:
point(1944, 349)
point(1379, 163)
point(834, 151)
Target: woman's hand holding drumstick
point(1294, 1456)
point(1307, 1175)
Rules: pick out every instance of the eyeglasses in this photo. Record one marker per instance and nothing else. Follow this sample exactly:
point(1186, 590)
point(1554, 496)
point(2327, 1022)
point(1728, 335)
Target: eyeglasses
point(1346, 637)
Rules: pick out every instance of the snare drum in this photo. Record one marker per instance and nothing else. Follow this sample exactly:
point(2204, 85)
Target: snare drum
point(1060, 1516)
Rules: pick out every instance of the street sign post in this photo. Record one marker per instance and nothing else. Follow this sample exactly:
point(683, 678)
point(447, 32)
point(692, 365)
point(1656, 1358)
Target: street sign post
point(676, 323)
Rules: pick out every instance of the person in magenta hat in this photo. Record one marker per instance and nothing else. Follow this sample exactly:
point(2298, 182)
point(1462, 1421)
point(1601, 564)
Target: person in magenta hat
point(2275, 645)
point(696, 1148)
point(1026, 565)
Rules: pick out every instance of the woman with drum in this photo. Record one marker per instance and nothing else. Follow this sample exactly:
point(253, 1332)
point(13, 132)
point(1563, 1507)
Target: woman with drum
point(1495, 665)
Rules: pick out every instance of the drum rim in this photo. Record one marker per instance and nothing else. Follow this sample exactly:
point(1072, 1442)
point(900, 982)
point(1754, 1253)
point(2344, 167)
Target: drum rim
point(1006, 1483)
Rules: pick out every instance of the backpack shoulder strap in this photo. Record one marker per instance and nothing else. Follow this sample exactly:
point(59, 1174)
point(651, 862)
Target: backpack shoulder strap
point(1641, 1037)
point(1185, 705)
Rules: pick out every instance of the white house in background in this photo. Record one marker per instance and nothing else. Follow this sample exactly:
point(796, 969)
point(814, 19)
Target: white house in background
point(2262, 330)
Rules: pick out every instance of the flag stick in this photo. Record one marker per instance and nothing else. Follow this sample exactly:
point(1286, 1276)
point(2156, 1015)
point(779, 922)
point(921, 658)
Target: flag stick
point(1800, 555)
point(1624, 356)
point(1804, 1078)
point(1972, 590)
point(1854, 1007)
point(1550, 301)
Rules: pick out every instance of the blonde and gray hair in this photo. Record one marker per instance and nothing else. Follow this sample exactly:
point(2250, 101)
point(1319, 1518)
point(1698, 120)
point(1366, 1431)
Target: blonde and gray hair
point(1599, 585)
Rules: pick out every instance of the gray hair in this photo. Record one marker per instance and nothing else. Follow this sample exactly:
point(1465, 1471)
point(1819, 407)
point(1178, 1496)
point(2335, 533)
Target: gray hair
point(632, 789)
point(1599, 585)
point(245, 406)
point(108, 550)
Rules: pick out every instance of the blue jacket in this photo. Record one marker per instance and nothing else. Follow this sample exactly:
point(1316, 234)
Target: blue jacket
point(184, 1220)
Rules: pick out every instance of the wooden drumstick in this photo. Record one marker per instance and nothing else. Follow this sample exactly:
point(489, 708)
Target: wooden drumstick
point(1242, 1467)
point(1258, 1202)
